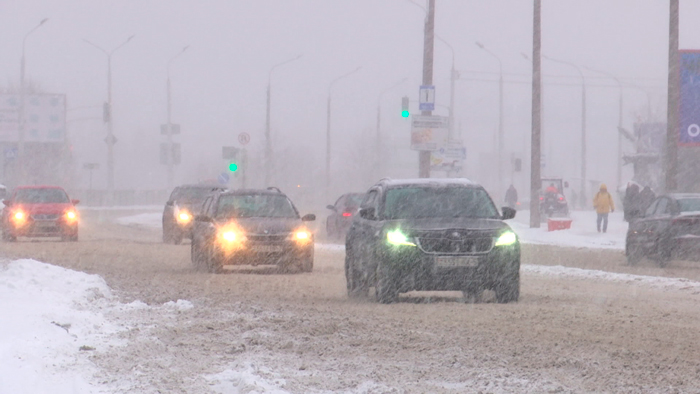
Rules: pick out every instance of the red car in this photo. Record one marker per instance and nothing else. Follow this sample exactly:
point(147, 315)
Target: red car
point(39, 211)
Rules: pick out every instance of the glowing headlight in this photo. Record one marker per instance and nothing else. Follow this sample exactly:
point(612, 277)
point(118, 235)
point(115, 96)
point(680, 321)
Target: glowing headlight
point(302, 235)
point(507, 238)
point(71, 215)
point(396, 237)
point(184, 217)
point(19, 215)
point(229, 236)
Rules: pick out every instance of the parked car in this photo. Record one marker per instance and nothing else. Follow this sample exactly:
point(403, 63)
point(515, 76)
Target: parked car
point(668, 230)
point(344, 210)
point(251, 227)
point(39, 211)
point(179, 211)
point(430, 234)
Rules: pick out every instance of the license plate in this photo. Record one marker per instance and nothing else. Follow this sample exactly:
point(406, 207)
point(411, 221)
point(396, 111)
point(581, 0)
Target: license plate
point(456, 261)
point(46, 224)
point(267, 248)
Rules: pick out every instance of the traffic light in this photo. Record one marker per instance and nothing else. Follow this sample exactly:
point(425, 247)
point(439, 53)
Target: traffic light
point(404, 107)
point(233, 167)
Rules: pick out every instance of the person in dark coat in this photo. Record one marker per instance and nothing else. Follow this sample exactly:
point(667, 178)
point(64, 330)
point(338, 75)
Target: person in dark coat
point(631, 202)
point(646, 197)
point(511, 196)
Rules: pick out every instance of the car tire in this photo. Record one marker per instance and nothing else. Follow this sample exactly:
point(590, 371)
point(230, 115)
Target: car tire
point(385, 289)
point(8, 237)
point(662, 255)
point(634, 254)
point(196, 257)
point(213, 263)
point(307, 263)
point(356, 285)
point(508, 289)
point(70, 238)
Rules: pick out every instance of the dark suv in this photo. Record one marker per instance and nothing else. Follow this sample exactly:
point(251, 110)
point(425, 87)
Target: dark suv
point(251, 227)
point(432, 235)
point(184, 202)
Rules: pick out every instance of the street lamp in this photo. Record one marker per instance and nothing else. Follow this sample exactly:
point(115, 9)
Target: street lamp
point(21, 115)
point(379, 122)
point(110, 140)
point(500, 116)
point(268, 142)
point(582, 196)
point(169, 156)
point(328, 127)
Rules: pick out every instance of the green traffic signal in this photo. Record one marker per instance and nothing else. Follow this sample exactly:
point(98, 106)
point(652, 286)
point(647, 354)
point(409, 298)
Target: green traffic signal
point(404, 114)
point(233, 167)
point(404, 107)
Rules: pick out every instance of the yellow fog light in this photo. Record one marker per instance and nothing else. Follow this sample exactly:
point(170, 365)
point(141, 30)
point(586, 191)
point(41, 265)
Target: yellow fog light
point(507, 238)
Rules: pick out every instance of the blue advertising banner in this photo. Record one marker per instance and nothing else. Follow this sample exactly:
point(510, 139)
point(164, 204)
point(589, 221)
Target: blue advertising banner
point(689, 111)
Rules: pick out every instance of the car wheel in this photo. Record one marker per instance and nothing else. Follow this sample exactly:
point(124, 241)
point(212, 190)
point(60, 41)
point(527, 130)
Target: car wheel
point(8, 237)
point(385, 289)
point(356, 285)
point(213, 263)
point(633, 253)
point(307, 263)
point(508, 289)
point(70, 238)
point(663, 255)
point(196, 257)
point(176, 238)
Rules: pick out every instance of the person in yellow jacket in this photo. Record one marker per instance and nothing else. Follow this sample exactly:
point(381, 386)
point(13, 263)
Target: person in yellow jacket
point(603, 204)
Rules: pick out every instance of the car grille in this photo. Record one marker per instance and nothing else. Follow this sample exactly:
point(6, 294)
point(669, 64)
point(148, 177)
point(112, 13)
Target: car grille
point(267, 237)
point(455, 242)
point(45, 217)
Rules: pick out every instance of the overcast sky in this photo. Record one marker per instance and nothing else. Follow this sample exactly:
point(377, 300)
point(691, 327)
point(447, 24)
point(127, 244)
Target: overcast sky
point(219, 83)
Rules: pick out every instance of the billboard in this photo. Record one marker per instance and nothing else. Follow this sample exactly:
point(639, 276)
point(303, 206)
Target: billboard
point(689, 111)
point(429, 133)
point(45, 117)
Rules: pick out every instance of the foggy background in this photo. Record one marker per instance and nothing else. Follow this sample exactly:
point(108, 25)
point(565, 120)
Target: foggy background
point(219, 83)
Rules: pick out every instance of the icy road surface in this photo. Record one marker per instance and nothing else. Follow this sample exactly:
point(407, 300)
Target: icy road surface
point(585, 323)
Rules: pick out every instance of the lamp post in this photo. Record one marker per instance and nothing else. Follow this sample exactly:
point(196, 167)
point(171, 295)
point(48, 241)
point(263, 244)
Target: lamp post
point(500, 116)
point(110, 140)
point(582, 195)
point(268, 141)
point(328, 127)
point(619, 123)
point(169, 156)
point(378, 143)
point(21, 114)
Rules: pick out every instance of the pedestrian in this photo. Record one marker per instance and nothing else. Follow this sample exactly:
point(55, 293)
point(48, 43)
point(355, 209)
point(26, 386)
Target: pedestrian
point(646, 197)
point(631, 202)
point(511, 196)
point(603, 204)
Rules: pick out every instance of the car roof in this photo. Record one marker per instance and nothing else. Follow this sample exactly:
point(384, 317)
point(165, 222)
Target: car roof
point(39, 187)
point(201, 186)
point(439, 182)
point(241, 192)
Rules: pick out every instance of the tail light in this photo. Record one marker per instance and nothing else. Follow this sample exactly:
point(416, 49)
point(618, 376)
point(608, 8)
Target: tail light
point(561, 198)
point(347, 214)
point(541, 198)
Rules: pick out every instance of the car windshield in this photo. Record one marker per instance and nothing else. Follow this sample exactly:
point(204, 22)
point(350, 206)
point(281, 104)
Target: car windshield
point(41, 196)
point(190, 194)
point(438, 202)
point(255, 206)
point(354, 200)
point(689, 204)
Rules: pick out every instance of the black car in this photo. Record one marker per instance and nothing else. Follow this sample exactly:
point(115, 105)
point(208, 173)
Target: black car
point(669, 229)
point(251, 227)
point(184, 202)
point(431, 234)
point(344, 209)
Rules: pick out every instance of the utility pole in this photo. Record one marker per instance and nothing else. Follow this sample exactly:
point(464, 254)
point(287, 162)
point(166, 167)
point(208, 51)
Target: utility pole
point(535, 176)
point(428, 50)
point(110, 140)
point(21, 115)
point(171, 164)
point(501, 138)
point(671, 157)
point(268, 139)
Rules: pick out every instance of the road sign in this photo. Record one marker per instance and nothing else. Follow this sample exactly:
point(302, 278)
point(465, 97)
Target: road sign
point(110, 139)
point(229, 152)
point(223, 178)
point(243, 138)
point(448, 158)
point(175, 129)
point(10, 153)
point(429, 132)
point(426, 98)
point(689, 111)
point(173, 152)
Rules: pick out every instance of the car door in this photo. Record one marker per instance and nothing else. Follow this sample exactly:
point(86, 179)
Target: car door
point(640, 230)
point(202, 228)
point(370, 227)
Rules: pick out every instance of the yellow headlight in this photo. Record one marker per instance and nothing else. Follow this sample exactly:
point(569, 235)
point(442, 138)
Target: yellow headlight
point(19, 215)
point(302, 235)
point(184, 217)
point(229, 236)
point(71, 215)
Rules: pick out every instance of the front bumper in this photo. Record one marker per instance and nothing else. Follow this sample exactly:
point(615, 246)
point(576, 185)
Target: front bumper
point(265, 253)
point(43, 228)
point(418, 270)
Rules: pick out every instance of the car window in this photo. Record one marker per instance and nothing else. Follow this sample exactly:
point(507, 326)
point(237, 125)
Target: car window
point(341, 201)
point(255, 206)
point(190, 195)
point(416, 202)
point(652, 209)
point(689, 204)
point(661, 207)
point(353, 200)
point(41, 196)
point(205, 206)
point(370, 200)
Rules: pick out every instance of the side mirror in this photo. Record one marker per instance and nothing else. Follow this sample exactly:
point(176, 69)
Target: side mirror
point(308, 218)
point(368, 213)
point(508, 213)
point(74, 202)
point(331, 207)
point(203, 218)
point(170, 203)
point(7, 202)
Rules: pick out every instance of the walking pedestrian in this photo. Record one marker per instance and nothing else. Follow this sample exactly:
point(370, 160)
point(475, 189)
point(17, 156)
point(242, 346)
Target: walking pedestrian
point(631, 202)
point(603, 204)
point(646, 197)
point(511, 196)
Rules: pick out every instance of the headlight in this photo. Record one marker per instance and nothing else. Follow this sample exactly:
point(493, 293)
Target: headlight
point(19, 216)
point(396, 237)
point(507, 238)
point(302, 235)
point(229, 236)
point(184, 217)
point(71, 216)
